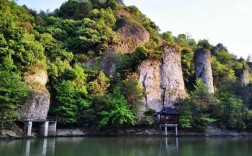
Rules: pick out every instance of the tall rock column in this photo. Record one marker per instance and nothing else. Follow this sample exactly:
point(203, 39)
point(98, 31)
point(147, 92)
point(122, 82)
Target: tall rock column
point(150, 78)
point(172, 81)
point(203, 69)
point(245, 77)
point(163, 80)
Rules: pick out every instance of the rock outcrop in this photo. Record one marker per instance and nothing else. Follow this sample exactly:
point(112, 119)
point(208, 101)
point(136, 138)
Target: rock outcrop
point(163, 80)
point(39, 77)
point(203, 69)
point(131, 35)
point(150, 78)
point(244, 77)
point(37, 106)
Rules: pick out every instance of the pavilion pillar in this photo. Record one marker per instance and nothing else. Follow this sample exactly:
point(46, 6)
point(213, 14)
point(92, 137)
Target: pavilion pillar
point(176, 130)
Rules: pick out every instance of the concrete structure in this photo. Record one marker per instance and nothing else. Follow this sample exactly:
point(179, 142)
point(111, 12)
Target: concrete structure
point(47, 128)
point(29, 128)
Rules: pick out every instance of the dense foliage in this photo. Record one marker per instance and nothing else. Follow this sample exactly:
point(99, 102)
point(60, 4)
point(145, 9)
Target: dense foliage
point(70, 43)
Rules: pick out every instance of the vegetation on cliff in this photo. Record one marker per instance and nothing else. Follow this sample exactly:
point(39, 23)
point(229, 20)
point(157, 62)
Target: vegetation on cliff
point(70, 43)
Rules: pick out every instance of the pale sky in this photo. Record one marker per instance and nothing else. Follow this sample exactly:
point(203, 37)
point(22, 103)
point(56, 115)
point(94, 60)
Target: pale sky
point(221, 21)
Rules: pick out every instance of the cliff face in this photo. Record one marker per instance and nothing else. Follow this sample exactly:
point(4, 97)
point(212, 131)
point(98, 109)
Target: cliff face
point(163, 80)
point(172, 76)
point(37, 105)
point(131, 35)
point(150, 78)
point(245, 77)
point(203, 69)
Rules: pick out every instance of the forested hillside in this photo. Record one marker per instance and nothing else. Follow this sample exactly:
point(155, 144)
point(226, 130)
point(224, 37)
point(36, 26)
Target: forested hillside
point(89, 87)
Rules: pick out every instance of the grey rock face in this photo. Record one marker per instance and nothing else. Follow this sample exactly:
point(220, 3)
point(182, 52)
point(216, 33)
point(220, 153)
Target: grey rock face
point(131, 35)
point(37, 106)
point(172, 80)
point(203, 69)
point(163, 80)
point(245, 77)
point(108, 62)
point(150, 78)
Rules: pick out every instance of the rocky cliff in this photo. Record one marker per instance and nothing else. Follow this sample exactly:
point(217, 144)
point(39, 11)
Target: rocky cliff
point(163, 80)
point(245, 77)
point(131, 35)
point(37, 105)
point(203, 69)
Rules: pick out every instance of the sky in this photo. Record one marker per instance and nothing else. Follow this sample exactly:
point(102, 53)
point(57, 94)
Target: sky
point(220, 21)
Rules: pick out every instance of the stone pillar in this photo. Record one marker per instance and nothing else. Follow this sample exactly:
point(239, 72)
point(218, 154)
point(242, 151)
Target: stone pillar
point(52, 128)
point(44, 129)
point(29, 128)
point(172, 81)
point(245, 77)
point(203, 69)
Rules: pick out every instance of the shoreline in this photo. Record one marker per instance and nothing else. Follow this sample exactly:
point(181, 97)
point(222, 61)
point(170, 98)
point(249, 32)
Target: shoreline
point(134, 132)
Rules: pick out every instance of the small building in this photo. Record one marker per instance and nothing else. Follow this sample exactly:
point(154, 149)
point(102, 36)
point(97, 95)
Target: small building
point(168, 117)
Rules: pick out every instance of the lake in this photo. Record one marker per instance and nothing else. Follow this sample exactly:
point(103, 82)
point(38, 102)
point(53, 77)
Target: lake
point(127, 146)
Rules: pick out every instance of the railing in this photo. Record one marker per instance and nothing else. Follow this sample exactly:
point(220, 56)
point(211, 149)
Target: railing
point(51, 118)
point(168, 121)
point(48, 118)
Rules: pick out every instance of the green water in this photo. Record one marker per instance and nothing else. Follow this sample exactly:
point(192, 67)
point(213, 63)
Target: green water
point(128, 146)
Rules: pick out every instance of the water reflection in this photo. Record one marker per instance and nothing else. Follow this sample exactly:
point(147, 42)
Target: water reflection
point(41, 147)
point(127, 146)
point(38, 147)
point(89, 146)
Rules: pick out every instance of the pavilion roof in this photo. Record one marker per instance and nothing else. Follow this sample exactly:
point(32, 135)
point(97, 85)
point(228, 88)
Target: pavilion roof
point(168, 111)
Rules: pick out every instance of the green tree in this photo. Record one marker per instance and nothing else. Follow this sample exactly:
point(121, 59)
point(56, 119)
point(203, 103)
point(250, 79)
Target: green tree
point(167, 36)
point(99, 87)
point(68, 9)
point(197, 110)
point(221, 72)
point(204, 44)
point(188, 68)
point(116, 110)
point(70, 101)
point(13, 93)
point(133, 91)
point(229, 111)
